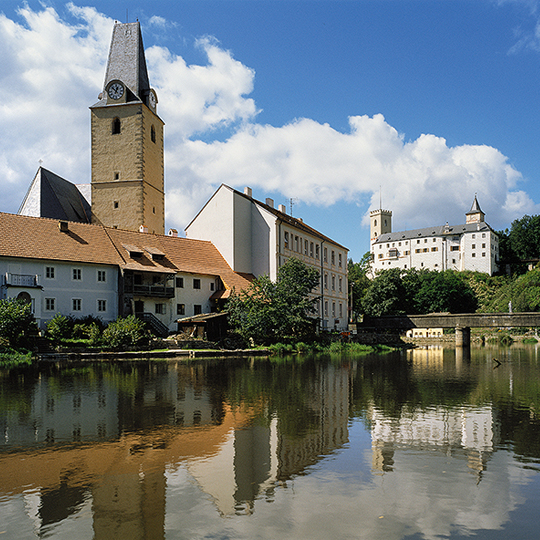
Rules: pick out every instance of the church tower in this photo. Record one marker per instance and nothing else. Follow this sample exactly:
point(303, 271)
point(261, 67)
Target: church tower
point(475, 214)
point(127, 141)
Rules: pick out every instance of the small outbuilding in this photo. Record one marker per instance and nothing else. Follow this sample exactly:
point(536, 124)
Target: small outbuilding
point(209, 326)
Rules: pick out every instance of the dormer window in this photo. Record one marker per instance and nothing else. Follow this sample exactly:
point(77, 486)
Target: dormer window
point(134, 251)
point(116, 126)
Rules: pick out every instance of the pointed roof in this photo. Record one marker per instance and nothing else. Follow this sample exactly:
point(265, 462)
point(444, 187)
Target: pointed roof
point(475, 208)
point(127, 62)
point(51, 196)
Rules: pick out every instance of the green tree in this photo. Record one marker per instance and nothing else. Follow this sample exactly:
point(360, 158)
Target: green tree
point(17, 323)
point(125, 332)
point(525, 237)
point(386, 295)
point(268, 311)
point(359, 282)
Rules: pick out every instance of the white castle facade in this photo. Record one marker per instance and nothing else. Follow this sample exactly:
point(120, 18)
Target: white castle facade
point(473, 245)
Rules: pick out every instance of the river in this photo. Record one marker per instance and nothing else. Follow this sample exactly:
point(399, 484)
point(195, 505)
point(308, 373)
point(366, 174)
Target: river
point(417, 444)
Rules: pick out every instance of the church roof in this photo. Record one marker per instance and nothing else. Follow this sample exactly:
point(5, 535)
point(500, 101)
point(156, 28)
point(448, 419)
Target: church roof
point(127, 62)
point(51, 196)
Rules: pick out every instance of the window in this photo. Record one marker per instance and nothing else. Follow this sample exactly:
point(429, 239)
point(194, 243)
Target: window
point(333, 309)
point(197, 309)
point(160, 309)
point(305, 247)
point(425, 240)
point(434, 249)
point(483, 235)
point(102, 305)
point(425, 250)
point(212, 285)
point(115, 204)
point(179, 282)
point(49, 272)
point(483, 254)
point(434, 239)
point(102, 276)
point(454, 248)
point(50, 304)
point(326, 281)
point(317, 251)
point(340, 309)
point(474, 254)
point(333, 257)
point(418, 251)
point(474, 235)
point(340, 260)
point(180, 309)
point(117, 176)
point(325, 255)
point(483, 246)
point(76, 274)
point(311, 249)
point(296, 243)
point(340, 284)
point(474, 246)
point(153, 134)
point(326, 308)
point(196, 283)
point(418, 241)
point(116, 126)
point(286, 238)
point(76, 304)
point(380, 255)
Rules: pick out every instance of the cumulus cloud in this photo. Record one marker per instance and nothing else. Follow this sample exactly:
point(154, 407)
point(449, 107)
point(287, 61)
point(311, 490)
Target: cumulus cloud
point(53, 70)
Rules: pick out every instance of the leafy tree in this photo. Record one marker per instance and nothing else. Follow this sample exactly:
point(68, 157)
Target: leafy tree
point(268, 312)
point(386, 295)
point(525, 237)
point(357, 274)
point(17, 323)
point(59, 327)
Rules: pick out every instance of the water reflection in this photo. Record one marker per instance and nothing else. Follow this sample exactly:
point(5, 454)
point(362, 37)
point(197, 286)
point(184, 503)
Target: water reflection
point(425, 443)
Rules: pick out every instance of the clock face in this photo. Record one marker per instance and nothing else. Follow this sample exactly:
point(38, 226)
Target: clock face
point(152, 100)
point(116, 91)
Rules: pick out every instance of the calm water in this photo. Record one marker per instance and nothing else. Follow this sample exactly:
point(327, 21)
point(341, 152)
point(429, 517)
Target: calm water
point(422, 444)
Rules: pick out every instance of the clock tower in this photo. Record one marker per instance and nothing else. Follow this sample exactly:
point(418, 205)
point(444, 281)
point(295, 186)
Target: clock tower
point(127, 141)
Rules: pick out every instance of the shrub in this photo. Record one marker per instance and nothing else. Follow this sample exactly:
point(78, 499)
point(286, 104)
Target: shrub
point(17, 323)
point(126, 332)
point(59, 327)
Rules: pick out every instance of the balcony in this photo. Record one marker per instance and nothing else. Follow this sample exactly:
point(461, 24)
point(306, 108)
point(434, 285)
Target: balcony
point(155, 291)
point(21, 280)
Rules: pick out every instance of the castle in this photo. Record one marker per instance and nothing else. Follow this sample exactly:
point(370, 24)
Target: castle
point(473, 245)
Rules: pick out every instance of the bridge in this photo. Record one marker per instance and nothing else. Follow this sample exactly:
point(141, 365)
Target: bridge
point(462, 322)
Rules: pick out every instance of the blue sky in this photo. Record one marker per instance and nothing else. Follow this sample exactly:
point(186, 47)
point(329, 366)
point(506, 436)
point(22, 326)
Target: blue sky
point(334, 104)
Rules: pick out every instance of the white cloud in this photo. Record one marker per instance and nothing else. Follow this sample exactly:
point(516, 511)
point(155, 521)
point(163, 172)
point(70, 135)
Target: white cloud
point(53, 70)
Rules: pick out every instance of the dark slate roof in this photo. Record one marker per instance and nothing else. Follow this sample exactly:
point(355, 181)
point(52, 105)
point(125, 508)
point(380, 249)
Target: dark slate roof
point(127, 62)
point(57, 198)
point(475, 208)
point(427, 232)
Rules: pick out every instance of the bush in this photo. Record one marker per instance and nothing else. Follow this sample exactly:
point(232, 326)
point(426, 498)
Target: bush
point(17, 323)
point(59, 327)
point(126, 332)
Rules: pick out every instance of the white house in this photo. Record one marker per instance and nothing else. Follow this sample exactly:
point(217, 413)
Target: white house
point(79, 269)
point(473, 245)
point(256, 238)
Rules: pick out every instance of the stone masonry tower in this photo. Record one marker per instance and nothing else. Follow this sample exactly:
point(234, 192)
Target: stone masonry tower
point(127, 141)
point(380, 223)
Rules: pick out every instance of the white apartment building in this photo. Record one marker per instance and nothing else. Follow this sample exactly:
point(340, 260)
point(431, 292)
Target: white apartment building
point(256, 238)
point(473, 245)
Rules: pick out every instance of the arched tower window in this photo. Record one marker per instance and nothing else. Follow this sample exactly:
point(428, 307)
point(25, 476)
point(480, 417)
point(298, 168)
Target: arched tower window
point(153, 134)
point(375, 222)
point(116, 126)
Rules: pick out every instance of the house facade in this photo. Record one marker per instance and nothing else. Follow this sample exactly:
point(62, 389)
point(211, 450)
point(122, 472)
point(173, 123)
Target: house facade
point(80, 269)
point(473, 245)
point(257, 239)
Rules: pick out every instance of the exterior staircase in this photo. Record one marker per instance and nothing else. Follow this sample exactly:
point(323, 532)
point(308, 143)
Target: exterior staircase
point(154, 324)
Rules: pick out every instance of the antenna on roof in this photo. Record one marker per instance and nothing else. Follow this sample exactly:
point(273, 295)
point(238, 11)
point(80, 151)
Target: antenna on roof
point(380, 197)
point(127, 18)
point(292, 202)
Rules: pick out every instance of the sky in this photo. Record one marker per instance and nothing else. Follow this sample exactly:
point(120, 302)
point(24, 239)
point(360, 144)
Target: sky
point(333, 108)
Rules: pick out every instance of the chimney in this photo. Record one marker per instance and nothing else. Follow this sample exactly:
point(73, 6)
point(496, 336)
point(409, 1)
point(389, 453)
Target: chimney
point(270, 202)
point(247, 191)
point(282, 208)
point(173, 232)
point(143, 229)
point(63, 226)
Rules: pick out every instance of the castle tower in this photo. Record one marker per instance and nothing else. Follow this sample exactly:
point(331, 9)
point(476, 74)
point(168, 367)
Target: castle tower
point(475, 214)
point(127, 141)
point(380, 223)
